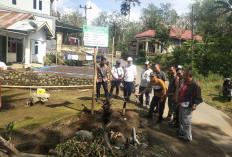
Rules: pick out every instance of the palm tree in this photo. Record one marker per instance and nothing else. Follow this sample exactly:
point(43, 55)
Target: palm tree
point(226, 8)
point(126, 6)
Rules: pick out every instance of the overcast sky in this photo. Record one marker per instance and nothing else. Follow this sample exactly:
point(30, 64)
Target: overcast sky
point(181, 6)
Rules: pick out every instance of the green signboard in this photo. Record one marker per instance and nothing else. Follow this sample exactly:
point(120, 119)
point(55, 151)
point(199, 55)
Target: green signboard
point(96, 36)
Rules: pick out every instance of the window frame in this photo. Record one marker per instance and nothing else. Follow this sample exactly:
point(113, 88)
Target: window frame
point(36, 48)
point(14, 2)
point(34, 4)
point(40, 5)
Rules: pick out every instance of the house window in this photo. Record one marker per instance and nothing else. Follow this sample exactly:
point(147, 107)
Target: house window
point(36, 47)
point(40, 5)
point(34, 4)
point(14, 2)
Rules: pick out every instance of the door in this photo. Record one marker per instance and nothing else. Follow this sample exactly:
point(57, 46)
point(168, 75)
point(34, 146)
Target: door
point(19, 52)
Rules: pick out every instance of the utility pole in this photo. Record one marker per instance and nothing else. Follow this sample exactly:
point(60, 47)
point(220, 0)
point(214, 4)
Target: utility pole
point(192, 22)
point(85, 7)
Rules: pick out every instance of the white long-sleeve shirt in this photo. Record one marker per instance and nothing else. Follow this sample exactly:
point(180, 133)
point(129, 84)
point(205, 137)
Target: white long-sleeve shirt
point(145, 77)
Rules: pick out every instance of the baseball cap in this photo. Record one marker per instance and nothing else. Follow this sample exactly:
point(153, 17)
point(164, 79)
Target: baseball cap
point(118, 62)
point(129, 59)
point(152, 74)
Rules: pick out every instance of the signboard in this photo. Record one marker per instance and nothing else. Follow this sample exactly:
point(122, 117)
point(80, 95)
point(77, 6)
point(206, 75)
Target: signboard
point(89, 58)
point(96, 36)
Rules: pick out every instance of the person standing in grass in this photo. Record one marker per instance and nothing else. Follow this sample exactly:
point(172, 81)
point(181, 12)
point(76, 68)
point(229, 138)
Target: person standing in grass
point(145, 80)
point(102, 77)
point(117, 76)
point(130, 73)
point(189, 98)
point(158, 98)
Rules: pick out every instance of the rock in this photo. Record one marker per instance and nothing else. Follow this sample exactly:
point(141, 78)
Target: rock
point(83, 134)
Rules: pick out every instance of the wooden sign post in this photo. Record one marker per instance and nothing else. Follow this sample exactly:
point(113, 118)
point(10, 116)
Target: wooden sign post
point(112, 57)
point(94, 81)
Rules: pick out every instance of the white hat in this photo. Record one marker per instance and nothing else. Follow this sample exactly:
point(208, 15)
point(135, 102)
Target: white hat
point(179, 67)
point(147, 63)
point(129, 59)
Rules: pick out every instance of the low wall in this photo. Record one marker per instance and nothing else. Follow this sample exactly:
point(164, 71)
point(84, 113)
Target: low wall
point(19, 78)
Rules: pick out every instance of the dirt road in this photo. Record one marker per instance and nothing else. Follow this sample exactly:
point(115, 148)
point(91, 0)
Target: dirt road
point(212, 132)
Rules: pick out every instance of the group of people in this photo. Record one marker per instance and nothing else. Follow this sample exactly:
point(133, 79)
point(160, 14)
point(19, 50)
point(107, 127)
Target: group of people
point(183, 92)
point(126, 75)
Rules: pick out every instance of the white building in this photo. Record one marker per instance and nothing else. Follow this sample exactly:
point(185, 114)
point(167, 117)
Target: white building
point(26, 27)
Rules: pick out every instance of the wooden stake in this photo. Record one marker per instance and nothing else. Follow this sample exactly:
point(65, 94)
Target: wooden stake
point(112, 59)
point(94, 81)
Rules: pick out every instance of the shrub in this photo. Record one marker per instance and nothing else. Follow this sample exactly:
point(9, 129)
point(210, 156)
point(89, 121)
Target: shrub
point(74, 63)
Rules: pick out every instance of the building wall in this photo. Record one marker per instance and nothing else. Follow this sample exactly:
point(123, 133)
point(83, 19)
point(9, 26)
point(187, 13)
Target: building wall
point(27, 5)
point(39, 37)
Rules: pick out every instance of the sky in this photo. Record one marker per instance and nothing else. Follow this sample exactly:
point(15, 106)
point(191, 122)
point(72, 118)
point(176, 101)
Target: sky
point(181, 6)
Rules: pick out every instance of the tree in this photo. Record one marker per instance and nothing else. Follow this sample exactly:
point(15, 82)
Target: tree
point(126, 6)
point(74, 19)
point(152, 16)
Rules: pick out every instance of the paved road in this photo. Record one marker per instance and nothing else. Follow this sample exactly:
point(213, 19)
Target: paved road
point(209, 124)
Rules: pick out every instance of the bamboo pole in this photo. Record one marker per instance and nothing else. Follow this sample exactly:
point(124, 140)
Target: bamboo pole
point(94, 81)
point(112, 57)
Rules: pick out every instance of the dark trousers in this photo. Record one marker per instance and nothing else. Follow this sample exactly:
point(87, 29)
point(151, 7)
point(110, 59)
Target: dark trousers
point(171, 106)
point(176, 116)
point(128, 87)
point(105, 87)
point(113, 85)
point(147, 94)
point(155, 102)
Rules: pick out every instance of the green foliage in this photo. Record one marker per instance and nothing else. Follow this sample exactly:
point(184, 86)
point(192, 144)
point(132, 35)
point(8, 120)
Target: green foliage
point(8, 130)
point(74, 19)
point(90, 148)
point(153, 15)
point(74, 63)
point(51, 57)
point(143, 53)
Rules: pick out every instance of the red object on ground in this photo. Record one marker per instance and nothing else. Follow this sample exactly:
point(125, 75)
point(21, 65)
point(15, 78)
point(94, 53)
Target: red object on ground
point(0, 96)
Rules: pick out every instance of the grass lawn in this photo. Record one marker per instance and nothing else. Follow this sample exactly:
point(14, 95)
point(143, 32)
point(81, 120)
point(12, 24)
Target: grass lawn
point(212, 94)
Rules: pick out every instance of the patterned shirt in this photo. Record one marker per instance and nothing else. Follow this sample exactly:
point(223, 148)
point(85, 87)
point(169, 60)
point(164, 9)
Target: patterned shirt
point(102, 72)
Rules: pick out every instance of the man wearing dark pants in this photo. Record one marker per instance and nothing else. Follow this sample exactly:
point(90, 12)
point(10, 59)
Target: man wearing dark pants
point(130, 74)
point(179, 84)
point(162, 76)
point(102, 77)
point(189, 98)
point(117, 76)
point(159, 96)
point(171, 93)
point(145, 80)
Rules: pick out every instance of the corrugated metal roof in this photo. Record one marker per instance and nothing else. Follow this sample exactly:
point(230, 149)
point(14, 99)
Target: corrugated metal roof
point(9, 18)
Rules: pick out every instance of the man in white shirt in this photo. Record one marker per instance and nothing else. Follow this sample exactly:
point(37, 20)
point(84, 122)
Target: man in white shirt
point(145, 80)
point(117, 76)
point(130, 73)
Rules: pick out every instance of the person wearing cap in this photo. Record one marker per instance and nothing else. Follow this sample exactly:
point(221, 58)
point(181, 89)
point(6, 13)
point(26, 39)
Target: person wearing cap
point(130, 73)
point(102, 77)
point(158, 98)
point(145, 80)
point(117, 76)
